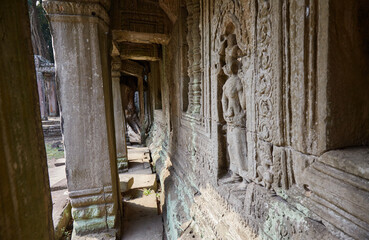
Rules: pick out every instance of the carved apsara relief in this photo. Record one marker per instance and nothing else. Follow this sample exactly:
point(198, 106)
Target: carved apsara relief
point(234, 108)
point(232, 53)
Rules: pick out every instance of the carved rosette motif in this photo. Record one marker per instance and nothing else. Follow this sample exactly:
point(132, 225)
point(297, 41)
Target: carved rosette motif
point(264, 99)
point(264, 91)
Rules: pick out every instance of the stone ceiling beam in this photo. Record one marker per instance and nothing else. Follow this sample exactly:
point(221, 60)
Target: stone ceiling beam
point(135, 51)
point(140, 37)
point(132, 68)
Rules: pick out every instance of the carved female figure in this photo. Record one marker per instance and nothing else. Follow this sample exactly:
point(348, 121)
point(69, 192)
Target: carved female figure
point(234, 106)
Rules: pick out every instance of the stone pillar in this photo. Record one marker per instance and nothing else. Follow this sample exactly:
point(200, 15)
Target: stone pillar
point(51, 95)
point(25, 201)
point(142, 107)
point(42, 95)
point(119, 119)
point(123, 92)
point(80, 37)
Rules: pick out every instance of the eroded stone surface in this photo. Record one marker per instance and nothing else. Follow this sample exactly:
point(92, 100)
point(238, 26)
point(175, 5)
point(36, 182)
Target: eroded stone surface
point(81, 55)
point(274, 91)
point(300, 183)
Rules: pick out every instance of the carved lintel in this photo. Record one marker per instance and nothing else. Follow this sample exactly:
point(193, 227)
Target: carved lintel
point(132, 68)
point(86, 8)
point(140, 37)
point(135, 51)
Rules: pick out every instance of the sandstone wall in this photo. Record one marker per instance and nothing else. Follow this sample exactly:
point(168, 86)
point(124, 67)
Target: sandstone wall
point(302, 69)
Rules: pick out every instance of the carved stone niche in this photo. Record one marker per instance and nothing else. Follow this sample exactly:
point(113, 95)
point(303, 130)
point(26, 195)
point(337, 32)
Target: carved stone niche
point(232, 43)
point(233, 102)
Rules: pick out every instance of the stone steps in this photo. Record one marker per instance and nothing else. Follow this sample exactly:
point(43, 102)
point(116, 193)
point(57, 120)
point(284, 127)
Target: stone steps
point(142, 218)
point(51, 128)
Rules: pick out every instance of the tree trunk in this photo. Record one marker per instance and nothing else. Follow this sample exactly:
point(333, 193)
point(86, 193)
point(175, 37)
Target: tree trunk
point(38, 41)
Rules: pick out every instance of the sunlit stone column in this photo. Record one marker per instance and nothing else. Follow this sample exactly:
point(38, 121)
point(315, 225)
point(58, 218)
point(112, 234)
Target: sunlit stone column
point(119, 118)
point(80, 31)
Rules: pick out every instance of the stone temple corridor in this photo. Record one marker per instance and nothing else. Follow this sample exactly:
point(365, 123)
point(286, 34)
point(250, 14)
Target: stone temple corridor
point(186, 119)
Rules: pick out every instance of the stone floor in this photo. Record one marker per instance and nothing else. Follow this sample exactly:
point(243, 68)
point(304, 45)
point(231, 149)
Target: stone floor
point(142, 218)
point(59, 195)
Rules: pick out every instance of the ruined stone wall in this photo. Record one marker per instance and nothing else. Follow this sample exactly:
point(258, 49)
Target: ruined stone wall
point(274, 92)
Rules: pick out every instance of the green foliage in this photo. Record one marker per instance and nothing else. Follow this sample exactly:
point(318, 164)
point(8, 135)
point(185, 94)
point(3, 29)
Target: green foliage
point(53, 153)
point(44, 27)
point(147, 192)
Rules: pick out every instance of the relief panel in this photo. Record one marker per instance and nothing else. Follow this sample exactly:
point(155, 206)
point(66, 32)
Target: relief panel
point(232, 80)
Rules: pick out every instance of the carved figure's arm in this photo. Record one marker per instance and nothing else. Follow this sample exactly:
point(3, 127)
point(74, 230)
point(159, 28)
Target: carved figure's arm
point(242, 97)
point(224, 104)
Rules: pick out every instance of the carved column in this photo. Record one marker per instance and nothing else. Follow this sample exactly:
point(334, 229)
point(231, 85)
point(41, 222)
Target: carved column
point(80, 31)
point(194, 56)
point(119, 118)
point(196, 67)
point(190, 54)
